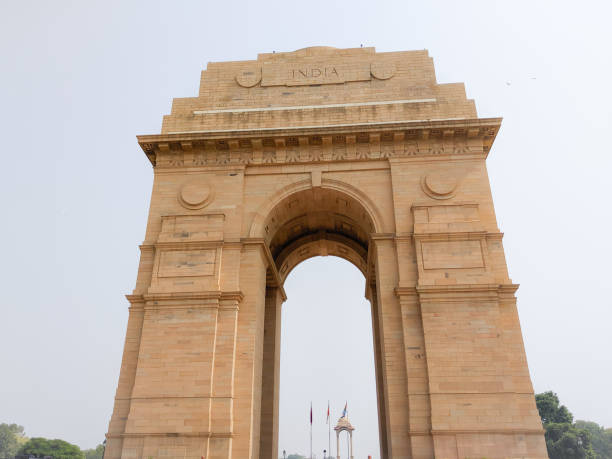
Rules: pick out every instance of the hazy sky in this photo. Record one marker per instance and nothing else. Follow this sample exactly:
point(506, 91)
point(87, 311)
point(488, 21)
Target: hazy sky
point(79, 79)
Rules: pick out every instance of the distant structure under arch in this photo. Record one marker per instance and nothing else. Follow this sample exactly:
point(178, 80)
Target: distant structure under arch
point(344, 425)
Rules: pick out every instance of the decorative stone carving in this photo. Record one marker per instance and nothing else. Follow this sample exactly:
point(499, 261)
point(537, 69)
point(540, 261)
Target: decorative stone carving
point(249, 77)
point(439, 186)
point(195, 194)
point(382, 70)
point(176, 159)
point(383, 143)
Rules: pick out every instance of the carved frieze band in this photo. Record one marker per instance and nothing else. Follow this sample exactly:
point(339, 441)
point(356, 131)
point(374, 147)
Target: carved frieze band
point(320, 148)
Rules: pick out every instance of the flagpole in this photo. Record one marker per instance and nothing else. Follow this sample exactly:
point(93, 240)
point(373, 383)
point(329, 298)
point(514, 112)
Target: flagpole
point(310, 430)
point(348, 449)
point(328, 429)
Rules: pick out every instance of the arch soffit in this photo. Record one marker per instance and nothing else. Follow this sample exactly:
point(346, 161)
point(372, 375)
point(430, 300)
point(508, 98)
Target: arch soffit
point(257, 226)
point(321, 244)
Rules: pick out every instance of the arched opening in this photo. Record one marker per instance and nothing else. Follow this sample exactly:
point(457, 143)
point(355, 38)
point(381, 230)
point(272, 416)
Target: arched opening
point(306, 223)
point(327, 354)
point(318, 221)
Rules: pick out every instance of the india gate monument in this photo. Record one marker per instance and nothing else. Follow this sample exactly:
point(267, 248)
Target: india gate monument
point(323, 151)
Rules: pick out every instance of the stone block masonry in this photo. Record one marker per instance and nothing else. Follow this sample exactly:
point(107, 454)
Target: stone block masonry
point(323, 151)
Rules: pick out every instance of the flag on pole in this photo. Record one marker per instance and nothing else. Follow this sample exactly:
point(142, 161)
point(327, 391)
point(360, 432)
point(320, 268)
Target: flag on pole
point(345, 410)
point(327, 421)
point(310, 413)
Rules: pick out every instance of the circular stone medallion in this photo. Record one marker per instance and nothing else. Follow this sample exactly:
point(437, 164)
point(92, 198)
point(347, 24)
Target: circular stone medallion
point(382, 70)
point(248, 78)
point(195, 194)
point(439, 186)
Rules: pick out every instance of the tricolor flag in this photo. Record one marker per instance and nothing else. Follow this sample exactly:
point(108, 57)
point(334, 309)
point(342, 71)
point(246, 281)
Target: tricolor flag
point(345, 410)
point(310, 413)
point(327, 421)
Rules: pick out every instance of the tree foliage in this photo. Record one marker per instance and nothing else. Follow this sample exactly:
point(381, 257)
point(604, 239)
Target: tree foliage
point(97, 453)
point(550, 409)
point(601, 438)
point(11, 437)
point(59, 449)
point(568, 440)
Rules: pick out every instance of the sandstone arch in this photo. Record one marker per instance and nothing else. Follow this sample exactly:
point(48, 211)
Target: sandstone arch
point(304, 223)
point(257, 226)
point(279, 159)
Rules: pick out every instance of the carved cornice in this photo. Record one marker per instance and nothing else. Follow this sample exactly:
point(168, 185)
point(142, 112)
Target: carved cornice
point(172, 434)
point(350, 142)
point(135, 299)
point(466, 288)
point(213, 297)
point(488, 431)
point(444, 236)
point(462, 292)
point(503, 289)
point(420, 433)
point(426, 205)
point(451, 236)
point(382, 236)
point(406, 291)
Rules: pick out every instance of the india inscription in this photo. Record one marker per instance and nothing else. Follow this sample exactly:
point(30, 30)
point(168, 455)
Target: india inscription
point(315, 72)
point(317, 152)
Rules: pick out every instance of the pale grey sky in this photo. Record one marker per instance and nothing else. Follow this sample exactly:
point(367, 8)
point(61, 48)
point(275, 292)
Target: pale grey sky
point(79, 79)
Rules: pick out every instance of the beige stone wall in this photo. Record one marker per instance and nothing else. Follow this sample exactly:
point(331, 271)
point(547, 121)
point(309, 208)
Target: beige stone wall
point(413, 82)
point(350, 153)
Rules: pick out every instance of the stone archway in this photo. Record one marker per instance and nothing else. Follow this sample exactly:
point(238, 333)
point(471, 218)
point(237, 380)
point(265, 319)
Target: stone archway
point(315, 221)
point(323, 151)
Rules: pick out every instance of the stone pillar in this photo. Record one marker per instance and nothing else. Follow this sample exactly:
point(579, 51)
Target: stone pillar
point(114, 442)
point(171, 397)
point(222, 399)
point(351, 437)
point(481, 395)
point(271, 374)
point(419, 411)
point(249, 353)
point(337, 444)
point(380, 388)
point(392, 351)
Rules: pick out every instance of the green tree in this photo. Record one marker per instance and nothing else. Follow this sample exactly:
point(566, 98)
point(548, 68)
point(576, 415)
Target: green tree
point(564, 440)
point(11, 437)
point(550, 409)
point(59, 449)
point(97, 453)
point(601, 438)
